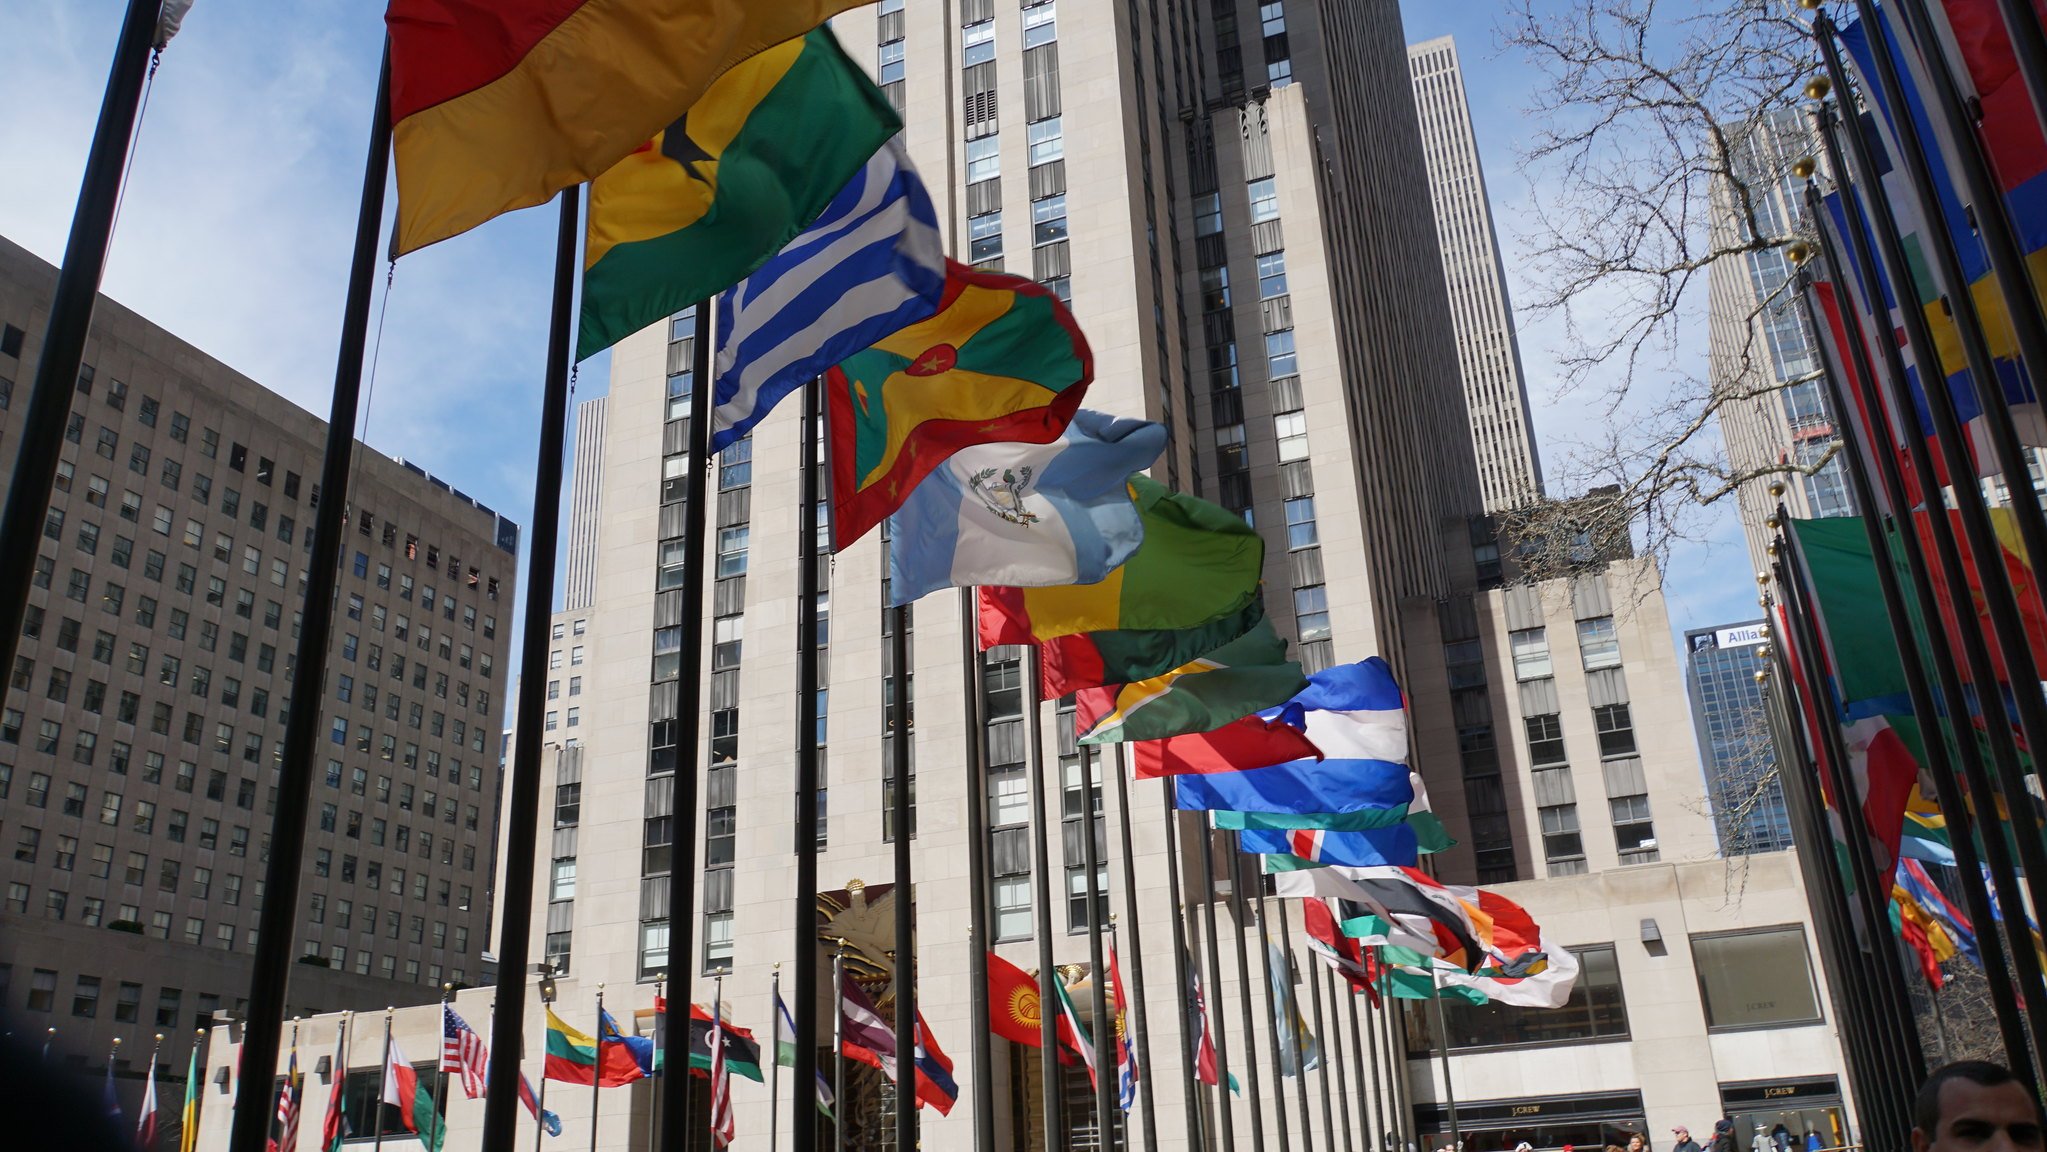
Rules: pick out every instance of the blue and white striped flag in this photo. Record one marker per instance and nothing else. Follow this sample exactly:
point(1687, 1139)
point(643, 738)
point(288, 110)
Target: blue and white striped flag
point(870, 265)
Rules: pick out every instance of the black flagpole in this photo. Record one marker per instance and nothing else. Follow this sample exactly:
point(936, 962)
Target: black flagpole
point(905, 910)
point(2006, 625)
point(803, 1120)
point(1213, 1006)
point(1274, 1007)
point(1883, 461)
point(1364, 1048)
point(1105, 1024)
point(1190, 1089)
point(41, 435)
point(682, 889)
point(271, 966)
point(1286, 941)
point(1332, 1035)
point(1140, 1010)
point(1240, 923)
point(1041, 898)
point(522, 817)
point(978, 935)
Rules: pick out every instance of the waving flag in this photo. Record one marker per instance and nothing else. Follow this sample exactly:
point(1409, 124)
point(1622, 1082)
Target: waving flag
point(1916, 883)
point(1014, 1009)
point(742, 1053)
point(289, 1095)
point(1335, 949)
point(145, 1122)
point(935, 1084)
point(496, 107)
point(1116, 656)
point(1126, 1052)
point(548, 1121)
point(1205, 1069)
point(722, 1127)
point(1199, 562)
point(1289, 1029)
point(1002, 360)
point(1073, 1031)
point(785, 1053)
point(414, 1099)
point(745, 170)
point(1244, 676)
point(1025, 514)
point(1377, 793)
point(188, 1120)
point(462, 1052)
point(572, 1057)
point(870, 264)
point(864, 1036)
point(1379, 846)
point(1550, 975)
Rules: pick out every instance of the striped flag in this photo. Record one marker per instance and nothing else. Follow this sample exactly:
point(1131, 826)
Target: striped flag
point(785, 1053)
point(864, 1035)
point(722, 1129)
point(871, 264)
point(462, 1051)
point(1073, 1031)
point(288, 1104)
point(334, 1126)
point(1126, 1052)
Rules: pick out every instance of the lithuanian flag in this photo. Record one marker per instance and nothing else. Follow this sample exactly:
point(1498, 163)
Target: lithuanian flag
point(1003, 360)
point(713, 195)
point(497, 106)
point(572, 1057)
point(1198, 565)
point(1244, 676)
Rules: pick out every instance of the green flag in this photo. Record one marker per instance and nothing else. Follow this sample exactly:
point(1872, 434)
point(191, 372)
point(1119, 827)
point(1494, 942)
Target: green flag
point(1244, 676)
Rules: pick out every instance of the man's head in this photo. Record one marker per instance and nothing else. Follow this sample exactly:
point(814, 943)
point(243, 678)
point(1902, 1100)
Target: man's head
point(1682, 1133)
point(1975, 1106)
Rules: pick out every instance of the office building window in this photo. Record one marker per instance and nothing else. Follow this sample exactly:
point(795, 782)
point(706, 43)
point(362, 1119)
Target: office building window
point(1531, 653)
point(1616, 730)
point(1546, 740)
point(1272, 275)
point(1598, 644)
point(1759, 979)
point(984, 237)
point(984, 159)
point(1300, 523)
point(1047, 141)
point(1311, 612)
point(1264, 200)
point(1596, 1010)
point(1561, 841)
point(1634, 833)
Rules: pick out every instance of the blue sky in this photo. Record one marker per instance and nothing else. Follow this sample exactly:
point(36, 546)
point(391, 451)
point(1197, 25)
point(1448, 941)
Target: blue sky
point(240, 212)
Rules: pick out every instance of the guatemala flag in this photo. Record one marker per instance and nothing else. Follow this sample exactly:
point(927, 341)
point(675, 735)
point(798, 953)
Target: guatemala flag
point(869, 266)
point(1025, 515)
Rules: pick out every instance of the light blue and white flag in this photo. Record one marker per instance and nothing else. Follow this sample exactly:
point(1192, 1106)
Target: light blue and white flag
point(872, 263)
point(1288, 1027)
point(1371, 848)
point(1025, 515)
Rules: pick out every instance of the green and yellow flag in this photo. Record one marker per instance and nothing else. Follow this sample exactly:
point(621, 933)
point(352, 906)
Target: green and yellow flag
point(712, 196)
point(1246, 675)
point(1003, 360)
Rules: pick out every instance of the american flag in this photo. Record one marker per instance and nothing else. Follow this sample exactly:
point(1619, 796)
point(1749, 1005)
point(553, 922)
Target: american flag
point(722, 1128)
point(462, 1051)
point(288, 1105)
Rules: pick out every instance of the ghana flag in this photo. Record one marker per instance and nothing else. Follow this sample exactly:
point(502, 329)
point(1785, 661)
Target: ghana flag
point(1246, 675)
point(498, 106)
point(713, 195)
point(1199, 564)
point(1003, 360)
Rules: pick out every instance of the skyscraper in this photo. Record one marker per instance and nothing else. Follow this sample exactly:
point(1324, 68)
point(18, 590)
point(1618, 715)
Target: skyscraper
point(1728, 710)
point(1488, 344)
point(144, 717)
point(586, 496)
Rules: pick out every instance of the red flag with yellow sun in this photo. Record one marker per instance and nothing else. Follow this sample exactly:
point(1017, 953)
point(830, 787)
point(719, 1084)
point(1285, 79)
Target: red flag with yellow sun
point(1002, 361)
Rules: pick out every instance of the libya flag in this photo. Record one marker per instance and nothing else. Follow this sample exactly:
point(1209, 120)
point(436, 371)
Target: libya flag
point(1246, 675)
point(742, 1051)
point(1002, 361)
point(712, 196)
point(1197, 572)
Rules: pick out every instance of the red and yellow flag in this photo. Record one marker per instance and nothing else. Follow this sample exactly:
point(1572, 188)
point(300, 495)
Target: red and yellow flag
point(499, 104)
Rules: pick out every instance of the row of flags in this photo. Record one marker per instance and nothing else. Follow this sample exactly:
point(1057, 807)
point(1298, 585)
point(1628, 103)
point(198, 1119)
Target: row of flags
point(1015, 1014)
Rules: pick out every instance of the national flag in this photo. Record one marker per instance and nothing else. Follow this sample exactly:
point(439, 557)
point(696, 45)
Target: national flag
point(1126, 1052)
point(1395, 892)
point(1405, 983)
point(548, 1121)
point(785, 1053)
point(871, 263)
point(1244, 676)
point(2017, 570)
point(1928, 941)
point(716, 193)
point(935, 1084)
point(168, 20)
point(1015, 1012)
point(1025, 514)
point(572, 1057)
point(1328, 943)
point(1914, 880)
point(1289, 1029)
point(1249, 743)
point(1542, 979)
point(415, 1100)
point(496, 107)
point(1376, 791)
point(334, 1126)
point(742, 1052)
point(1073, 1032)
point(188, 1118)
point(1205, 1069)
point(1002, 360)
point(145, 1122)
point(1067, 664)
point(1368, 849)
point(111, 1098)
point(1199, 564)
point(864, 1036)
point(722, 1128)
point(640, 1048)
point(289, 1095)
point(463, 1053)
point(1417, 814)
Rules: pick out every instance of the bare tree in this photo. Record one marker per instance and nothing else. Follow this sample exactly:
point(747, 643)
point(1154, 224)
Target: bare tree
point(1668, 134)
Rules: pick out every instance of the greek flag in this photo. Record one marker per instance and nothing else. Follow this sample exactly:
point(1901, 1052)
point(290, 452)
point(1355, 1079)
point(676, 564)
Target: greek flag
point(870, 265)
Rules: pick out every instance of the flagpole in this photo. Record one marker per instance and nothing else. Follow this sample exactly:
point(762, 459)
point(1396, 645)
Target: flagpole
point(41, 435)
point(1105, 1024)
point(1298, 1022)
point(978, 933)
point(270, 968)
point(775, 1065)
point(1332, 1033)
point(383, 1070)
point(340, 1077)
point(1273, 1006)
point(540, 1093)
point(1366, 1040)
point(1239, 916)
point(717, 1046)
point(1041, 879)
point(661, 1059)
point(1399, 1091)
point(1443, 1049)
point(1212, 1013)
point(689, 711)
point(155, 1050)
point(803, 1121)
point(1140, 1008)
point(1974, 648)
point(838, 1048)
point(1190, 1044)
point(1286, 941)
point(440, 1060)
point(1884, 462)
point(902, 811)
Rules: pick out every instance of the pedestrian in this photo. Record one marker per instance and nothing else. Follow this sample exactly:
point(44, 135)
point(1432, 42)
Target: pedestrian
point(1637, 1142)
point(1685, 1143)
point(1975, 1106)
point(1723, 1137)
